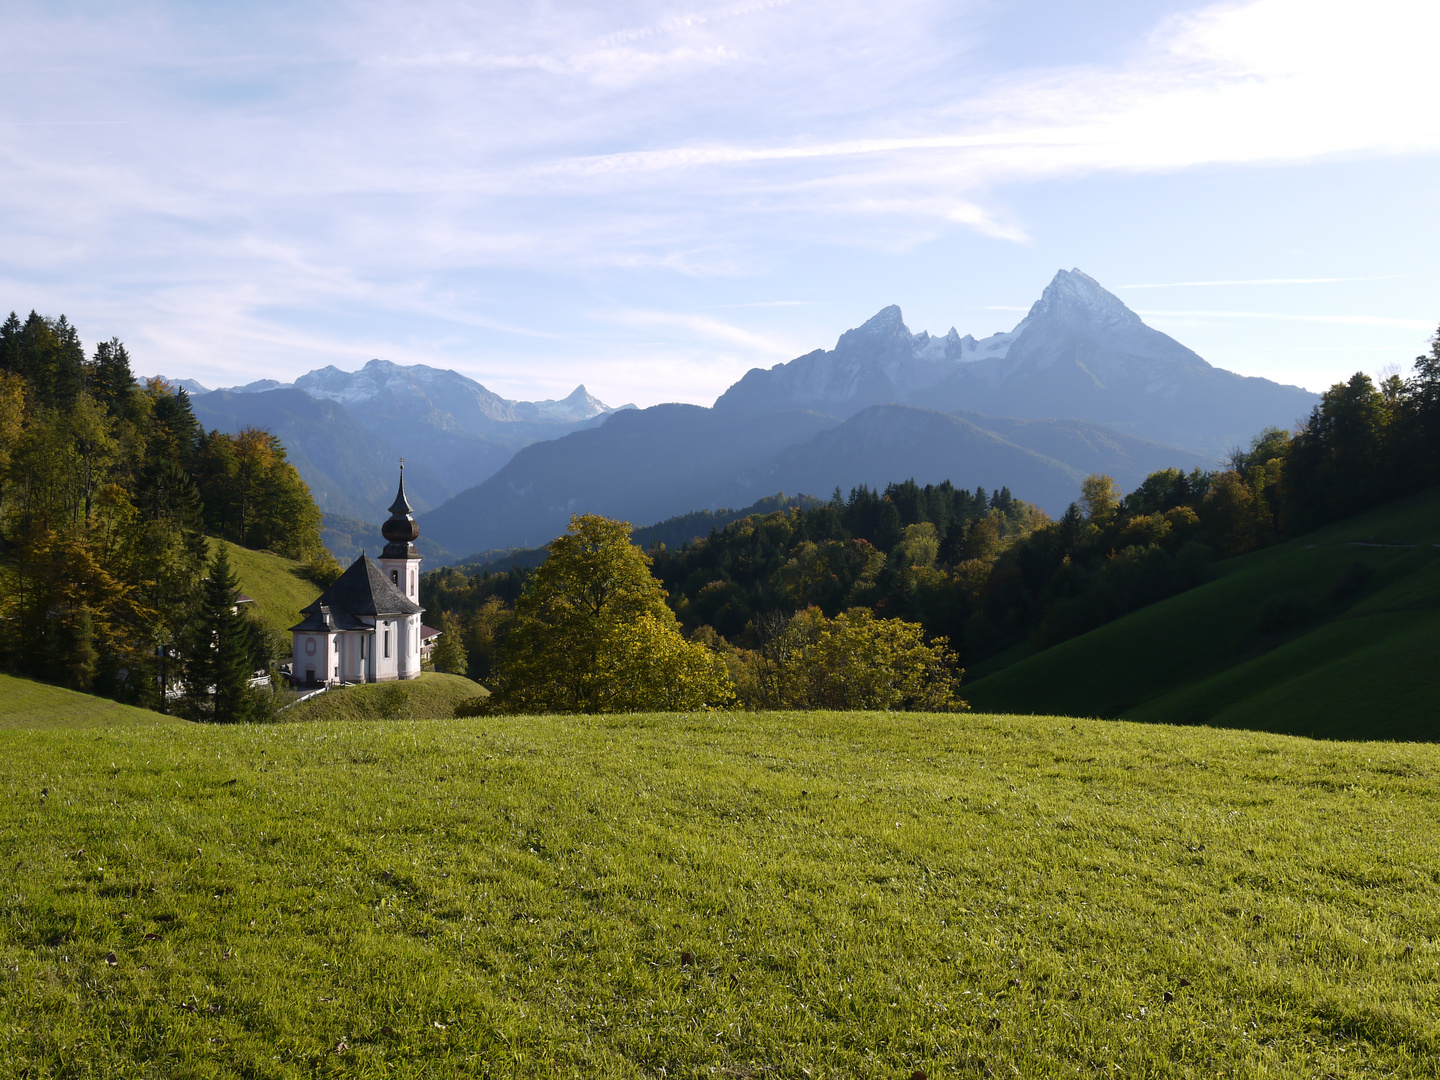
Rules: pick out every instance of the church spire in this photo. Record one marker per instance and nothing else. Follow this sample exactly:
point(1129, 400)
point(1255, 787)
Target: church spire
point(400, 531)
point(401, 506)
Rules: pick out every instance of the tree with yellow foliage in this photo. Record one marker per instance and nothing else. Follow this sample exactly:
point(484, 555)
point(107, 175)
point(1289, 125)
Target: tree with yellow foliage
point(592, 634)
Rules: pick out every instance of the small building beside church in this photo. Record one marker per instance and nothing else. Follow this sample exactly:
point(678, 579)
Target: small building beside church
point(366, 626)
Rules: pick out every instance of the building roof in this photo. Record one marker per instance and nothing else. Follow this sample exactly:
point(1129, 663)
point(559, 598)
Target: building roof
point(361, 590)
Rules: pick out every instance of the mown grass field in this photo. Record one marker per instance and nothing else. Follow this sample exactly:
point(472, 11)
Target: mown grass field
point(739, 895)
point(1356, 664)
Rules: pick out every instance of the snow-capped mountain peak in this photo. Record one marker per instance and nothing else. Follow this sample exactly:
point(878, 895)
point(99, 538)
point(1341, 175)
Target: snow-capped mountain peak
point(1074, 297)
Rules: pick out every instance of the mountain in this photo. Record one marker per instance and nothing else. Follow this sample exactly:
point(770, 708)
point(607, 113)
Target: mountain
point(350, 470)
point(642, 465)
point(348, 430)
point(1079, 353)
point(652, 464)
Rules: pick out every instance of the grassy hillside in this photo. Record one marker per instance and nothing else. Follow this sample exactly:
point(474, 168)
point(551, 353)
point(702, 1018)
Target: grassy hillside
point(1334, 634)
point(433, 695)
point(278, 584)
point(735, 895)
point(28, 704)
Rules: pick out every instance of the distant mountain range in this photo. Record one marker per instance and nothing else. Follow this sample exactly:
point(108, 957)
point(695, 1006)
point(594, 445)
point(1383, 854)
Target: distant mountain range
point(1080, 385)
point(347, 430)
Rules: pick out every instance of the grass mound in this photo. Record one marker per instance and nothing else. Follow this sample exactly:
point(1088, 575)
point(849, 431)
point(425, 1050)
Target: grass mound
point(725, 895)
point(25, 703)
point(432, 696)
point(1331, 635)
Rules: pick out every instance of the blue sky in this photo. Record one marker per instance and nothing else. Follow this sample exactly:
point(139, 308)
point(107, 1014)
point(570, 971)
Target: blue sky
point(651, 198)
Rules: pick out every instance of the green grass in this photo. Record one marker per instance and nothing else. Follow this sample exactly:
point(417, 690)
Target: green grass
point(25, 703)
point(860, 895)
point(432, 695)
point(1361, 667)
point(277, 584)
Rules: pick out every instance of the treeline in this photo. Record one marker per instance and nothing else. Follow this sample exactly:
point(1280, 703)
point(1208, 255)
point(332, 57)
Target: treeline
point(988, 572)
point(881, 550)
point(107, 490)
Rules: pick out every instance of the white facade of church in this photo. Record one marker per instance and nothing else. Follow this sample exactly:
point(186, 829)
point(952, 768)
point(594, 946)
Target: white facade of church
point(366, 626)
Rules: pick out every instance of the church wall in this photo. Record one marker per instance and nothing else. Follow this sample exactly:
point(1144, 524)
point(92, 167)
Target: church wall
point(317, 664)
point(409, 652)
point(386, 667)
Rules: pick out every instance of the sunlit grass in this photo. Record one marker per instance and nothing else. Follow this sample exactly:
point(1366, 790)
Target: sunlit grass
point(855, 894)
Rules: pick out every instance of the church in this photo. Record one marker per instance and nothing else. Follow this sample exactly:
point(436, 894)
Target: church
point(366, 626)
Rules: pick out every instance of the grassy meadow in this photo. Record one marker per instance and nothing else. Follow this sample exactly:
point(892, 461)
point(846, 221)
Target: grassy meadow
point(735, 895)
point(1355, 658)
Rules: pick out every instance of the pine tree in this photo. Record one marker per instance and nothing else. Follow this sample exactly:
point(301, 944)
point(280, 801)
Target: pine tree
point(219, 655)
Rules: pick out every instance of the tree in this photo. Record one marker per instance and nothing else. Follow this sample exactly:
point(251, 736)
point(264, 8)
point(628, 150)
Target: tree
point(592, 634)
point(220, 653)
point(855, 661)
point(449, 653)
point(1100, 498)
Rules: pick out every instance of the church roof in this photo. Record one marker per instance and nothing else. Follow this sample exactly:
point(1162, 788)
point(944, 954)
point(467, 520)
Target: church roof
point(361, 590)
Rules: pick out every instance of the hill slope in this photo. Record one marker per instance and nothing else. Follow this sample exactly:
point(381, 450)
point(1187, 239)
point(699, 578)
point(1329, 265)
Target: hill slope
point(1334, 634)
point(278, 585)
point(25, 703)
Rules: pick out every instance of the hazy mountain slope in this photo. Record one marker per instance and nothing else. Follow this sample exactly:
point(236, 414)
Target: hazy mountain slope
point(641, 465)
point(1080, 353)
point(1042, 461)
point(887, 443)
point(1092, 448)
point(351, 471)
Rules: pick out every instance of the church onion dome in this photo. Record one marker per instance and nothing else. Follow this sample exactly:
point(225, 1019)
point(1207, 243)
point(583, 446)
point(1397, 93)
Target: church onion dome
point(400, 531)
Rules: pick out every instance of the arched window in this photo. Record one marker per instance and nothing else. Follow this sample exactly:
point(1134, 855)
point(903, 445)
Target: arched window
point(394, 577)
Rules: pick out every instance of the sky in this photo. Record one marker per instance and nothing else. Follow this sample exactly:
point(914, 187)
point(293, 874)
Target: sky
point(651, 198)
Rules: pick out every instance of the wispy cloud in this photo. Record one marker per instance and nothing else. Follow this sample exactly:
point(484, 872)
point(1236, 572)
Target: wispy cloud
point(1258, 281)
point(1338, 320)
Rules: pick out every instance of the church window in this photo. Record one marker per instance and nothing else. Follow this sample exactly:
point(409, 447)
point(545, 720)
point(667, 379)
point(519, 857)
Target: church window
point(394, 577)
point(412, 581)
point(362, 648)
point(387, 644)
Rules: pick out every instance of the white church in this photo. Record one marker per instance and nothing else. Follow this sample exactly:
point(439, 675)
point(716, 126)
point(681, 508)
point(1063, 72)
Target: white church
point(366, 626)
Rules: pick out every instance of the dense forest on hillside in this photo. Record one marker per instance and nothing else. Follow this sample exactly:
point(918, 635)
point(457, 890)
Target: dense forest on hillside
point(989, 572)
point(107, 491)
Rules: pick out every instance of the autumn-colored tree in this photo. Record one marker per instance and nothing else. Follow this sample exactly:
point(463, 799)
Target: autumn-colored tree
point(592, 634)
point(855, 661)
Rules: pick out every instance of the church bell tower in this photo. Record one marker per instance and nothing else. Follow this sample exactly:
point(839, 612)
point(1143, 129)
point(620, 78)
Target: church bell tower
point(400, 560)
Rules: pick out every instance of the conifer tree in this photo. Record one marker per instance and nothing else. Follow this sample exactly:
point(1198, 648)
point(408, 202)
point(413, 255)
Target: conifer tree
point(220, 653)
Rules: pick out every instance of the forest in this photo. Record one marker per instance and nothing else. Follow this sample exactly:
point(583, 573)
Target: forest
point(983, 573)
point(108, 490)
